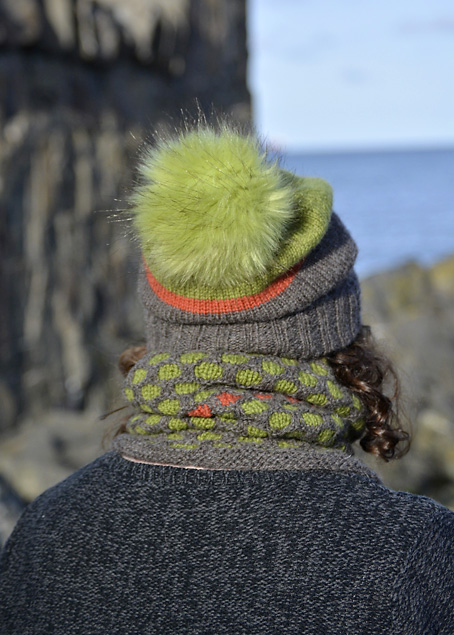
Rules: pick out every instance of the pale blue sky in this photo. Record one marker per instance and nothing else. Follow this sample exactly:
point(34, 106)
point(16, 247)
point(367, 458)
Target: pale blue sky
point(352, 74)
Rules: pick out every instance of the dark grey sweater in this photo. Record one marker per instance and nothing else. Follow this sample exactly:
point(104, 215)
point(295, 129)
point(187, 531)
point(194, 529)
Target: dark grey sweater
point(126, 548)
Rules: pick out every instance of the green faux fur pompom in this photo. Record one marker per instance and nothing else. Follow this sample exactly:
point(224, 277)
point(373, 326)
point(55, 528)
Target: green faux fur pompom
point(212, 211)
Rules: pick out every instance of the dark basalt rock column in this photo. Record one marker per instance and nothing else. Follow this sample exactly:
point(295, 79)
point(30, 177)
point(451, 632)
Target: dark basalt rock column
point(81, 83)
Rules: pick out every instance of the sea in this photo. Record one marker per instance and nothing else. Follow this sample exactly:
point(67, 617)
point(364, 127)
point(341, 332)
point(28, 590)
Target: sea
point(398, 205)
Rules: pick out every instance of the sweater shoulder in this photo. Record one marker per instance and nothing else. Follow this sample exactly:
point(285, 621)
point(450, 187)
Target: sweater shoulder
point(80, 489)
point(110, 478)
point(423, 591)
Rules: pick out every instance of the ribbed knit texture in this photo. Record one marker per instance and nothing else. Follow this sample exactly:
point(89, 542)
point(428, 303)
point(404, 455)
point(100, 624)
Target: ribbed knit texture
point(236, 411)
point(317, 313)
point(124, 549)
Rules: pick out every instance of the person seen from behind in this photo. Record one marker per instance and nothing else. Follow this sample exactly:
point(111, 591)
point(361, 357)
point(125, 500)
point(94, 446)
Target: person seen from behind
point(232, 499)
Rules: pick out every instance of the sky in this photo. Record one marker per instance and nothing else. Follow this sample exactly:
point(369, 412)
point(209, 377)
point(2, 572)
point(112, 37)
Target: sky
point(334, 75)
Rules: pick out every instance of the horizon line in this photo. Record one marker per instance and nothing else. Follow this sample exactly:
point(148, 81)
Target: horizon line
point(361, 149)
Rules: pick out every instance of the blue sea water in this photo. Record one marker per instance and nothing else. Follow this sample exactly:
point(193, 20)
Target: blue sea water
point(399, 206)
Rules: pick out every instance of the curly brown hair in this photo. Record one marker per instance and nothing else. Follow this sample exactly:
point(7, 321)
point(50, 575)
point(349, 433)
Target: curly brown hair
point(130, 357)
point(363, 370)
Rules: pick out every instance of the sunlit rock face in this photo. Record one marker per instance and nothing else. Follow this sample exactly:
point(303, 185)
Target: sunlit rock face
point(411, 310)
point(82, 83)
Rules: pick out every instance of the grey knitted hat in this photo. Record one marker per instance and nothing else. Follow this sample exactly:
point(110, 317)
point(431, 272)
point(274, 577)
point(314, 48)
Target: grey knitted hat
point(239, 255)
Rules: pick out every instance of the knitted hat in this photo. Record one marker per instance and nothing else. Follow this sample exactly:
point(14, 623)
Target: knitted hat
point(239, 255)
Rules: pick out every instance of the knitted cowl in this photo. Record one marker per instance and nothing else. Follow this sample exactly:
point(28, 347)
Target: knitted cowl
point(237, 411)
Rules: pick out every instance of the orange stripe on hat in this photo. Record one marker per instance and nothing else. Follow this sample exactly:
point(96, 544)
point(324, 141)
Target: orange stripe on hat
point(209, 307)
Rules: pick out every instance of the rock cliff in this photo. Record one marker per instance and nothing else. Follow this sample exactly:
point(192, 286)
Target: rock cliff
point(81, 84)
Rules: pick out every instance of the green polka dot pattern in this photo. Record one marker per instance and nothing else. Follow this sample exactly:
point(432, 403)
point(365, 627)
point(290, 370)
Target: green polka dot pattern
point(254, 407)
point(272, 368)
point(230, 400)
point(186, 388)
point(306, 379)
point(203, 394)
point(149, 391)
point(334, 390)
point(139, 375)
point(178, 424)
point(202, 423)
point(248, 378)
point(153, 420)
point(129, 394)
point(191, 358)
point(280, 420)
point(169, 406)
point(289, 362)
point(168, 371)
point(155, 359)
point(209, 436)
point(234, 359)
point(208, 371)
point(316, 400)
point(285, 387)
point(256, 432)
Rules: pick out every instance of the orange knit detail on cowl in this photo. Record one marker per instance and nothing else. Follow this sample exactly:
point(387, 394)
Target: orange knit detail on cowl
point(227, 398)
point(201, 411)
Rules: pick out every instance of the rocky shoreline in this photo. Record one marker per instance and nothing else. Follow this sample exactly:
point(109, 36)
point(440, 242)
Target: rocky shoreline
point(411, 312)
